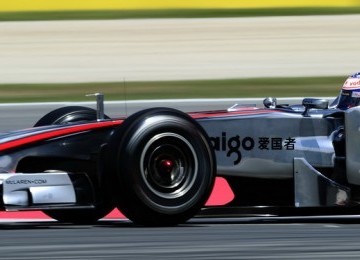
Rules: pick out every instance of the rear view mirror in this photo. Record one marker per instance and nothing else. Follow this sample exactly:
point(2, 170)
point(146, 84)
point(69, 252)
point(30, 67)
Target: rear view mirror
point(314, 103)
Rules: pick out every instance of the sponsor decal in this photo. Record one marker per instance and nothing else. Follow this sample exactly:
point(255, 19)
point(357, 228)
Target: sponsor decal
point(234, 145)
point(26, 182)
point(352, 83)
point(355, 94)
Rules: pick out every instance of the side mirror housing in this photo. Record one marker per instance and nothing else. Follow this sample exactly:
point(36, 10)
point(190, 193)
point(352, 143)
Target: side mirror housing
point(314, 103)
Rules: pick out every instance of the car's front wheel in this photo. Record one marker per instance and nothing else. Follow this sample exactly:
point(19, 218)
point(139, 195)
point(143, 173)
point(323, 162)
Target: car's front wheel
point(165, 167)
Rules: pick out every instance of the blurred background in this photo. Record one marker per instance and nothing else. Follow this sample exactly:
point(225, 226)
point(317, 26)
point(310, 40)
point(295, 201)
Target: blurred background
point(155, 49)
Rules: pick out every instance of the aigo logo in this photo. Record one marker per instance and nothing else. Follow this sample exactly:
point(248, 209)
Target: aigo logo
point(232, 145)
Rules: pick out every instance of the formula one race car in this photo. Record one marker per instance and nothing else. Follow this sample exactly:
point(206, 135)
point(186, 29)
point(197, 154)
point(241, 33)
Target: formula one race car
point(158, 165)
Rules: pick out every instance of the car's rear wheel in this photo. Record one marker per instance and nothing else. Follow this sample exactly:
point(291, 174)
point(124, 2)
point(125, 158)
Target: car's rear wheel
point(66, 115)
point(165, 167)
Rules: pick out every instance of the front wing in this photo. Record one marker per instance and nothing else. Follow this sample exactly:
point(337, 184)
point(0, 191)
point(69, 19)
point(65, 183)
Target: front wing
point(45, 191)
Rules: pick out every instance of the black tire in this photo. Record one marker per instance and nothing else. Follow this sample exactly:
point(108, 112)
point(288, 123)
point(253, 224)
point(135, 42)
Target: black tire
point(164, 165)
point(67, 115)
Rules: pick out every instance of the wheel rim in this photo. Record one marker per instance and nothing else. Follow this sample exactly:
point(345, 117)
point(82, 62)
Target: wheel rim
point(169, 165)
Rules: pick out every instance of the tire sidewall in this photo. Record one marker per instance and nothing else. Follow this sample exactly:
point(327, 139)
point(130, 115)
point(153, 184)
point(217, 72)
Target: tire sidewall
point(65, 115)
point(135, 135)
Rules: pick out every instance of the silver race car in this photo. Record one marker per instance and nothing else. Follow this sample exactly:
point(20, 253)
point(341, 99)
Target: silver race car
point(158, 165)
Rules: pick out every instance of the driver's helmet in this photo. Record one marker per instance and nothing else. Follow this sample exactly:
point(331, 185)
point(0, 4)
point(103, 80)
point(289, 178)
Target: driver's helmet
point(350, 92)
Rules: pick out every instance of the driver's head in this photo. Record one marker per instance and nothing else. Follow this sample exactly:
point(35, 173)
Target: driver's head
point(350, 92)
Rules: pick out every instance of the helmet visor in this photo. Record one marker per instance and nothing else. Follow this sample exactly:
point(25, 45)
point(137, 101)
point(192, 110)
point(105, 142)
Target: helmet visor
point(349, 98)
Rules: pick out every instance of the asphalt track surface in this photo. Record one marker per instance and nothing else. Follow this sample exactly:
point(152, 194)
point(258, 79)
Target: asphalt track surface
point(178, 49)
point(246, 238)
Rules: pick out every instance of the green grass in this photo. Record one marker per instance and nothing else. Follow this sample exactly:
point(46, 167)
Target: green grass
point(172, 13)
point(230, 88)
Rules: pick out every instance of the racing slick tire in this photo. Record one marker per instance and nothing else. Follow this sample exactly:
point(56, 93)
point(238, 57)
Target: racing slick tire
point(165, 167)
point(65, 115)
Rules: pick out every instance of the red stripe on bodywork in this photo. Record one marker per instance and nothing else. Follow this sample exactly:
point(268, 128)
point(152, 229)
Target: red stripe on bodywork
point(229, 114)
point(57, 133)
point(86, 127)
